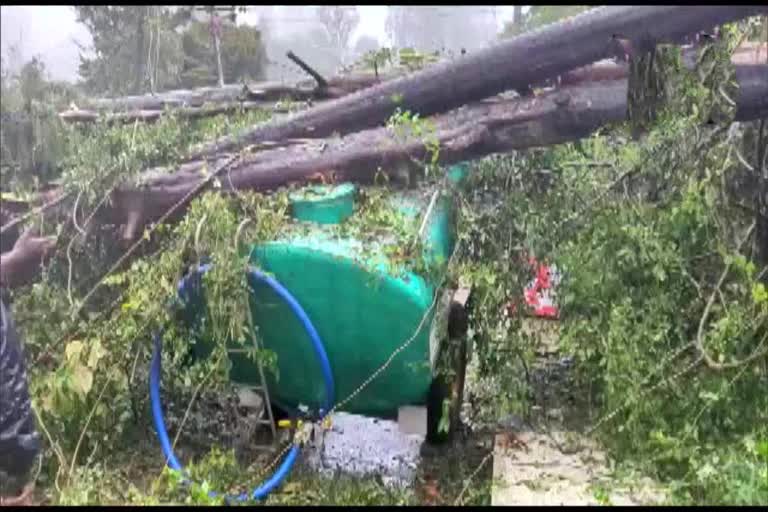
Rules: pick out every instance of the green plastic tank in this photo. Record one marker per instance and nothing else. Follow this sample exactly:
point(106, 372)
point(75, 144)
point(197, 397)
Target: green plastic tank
point(363, 305)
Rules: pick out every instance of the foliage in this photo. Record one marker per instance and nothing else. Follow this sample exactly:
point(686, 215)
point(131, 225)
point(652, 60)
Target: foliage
point(127, 41)
point(141, 48)
point(243, 55)
point(406, 125)
point(82, 359)
point(643, 229)
point(32, 138)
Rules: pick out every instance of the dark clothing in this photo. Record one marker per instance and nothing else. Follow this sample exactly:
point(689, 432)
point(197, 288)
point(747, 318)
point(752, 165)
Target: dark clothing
point(19, 441)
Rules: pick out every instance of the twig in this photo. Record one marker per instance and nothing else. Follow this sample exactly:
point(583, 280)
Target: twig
point(197, 234)
point(69, 271)
point(188, 196)
point(99, 313)
point(74, 213)
point(743, 160)
point(597, 199)
point(472, 476)
point(36, 211)
point(425, 220)
point(239, 230)
point(54, 446)
point(322, 83)
point(711, 363)
point(194, 398)
point(87, 423)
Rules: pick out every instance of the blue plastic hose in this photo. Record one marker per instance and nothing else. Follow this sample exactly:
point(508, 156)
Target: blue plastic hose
point(317, 344)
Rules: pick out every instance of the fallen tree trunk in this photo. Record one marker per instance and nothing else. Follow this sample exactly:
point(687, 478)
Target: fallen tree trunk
point(511, 65)
point(604, 70)
point(473, 131)
point(150, 116)
point(746, 54)
point(194, 104)
point(470, 132)
point(266, 92)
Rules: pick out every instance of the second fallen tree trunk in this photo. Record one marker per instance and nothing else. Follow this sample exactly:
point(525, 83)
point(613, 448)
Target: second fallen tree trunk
point(511, 65)
point(468, 133)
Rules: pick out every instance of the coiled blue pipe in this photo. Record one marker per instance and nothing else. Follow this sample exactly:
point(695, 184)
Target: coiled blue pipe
point(156, 370)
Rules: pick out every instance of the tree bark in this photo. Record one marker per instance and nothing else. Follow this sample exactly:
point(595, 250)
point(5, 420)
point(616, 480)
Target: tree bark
point(513, 64)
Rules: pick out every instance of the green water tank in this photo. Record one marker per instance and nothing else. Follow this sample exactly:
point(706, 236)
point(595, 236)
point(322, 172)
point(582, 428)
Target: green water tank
point(363, 306)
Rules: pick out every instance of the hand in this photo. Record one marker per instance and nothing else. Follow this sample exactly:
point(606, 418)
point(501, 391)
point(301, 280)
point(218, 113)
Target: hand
point(37, 248)
point(22, 263)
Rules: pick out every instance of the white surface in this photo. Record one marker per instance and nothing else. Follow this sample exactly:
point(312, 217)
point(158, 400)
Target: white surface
point(363, 446)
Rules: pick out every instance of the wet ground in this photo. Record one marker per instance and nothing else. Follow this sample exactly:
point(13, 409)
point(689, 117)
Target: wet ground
point(549, 460)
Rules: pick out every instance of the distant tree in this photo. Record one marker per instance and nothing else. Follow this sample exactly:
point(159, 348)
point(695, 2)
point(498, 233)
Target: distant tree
point(31, 139)
point(339, 22)
point(243, 55)
point(123, 39)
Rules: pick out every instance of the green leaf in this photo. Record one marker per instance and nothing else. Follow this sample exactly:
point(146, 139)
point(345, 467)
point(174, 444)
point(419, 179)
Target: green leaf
point(762, 449)
point(96, 353)
point(73, 350)
point(759, 293)
point(82, 380)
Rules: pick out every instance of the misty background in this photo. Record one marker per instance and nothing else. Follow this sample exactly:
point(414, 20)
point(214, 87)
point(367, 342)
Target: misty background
point(57, 58)
point(52, 33)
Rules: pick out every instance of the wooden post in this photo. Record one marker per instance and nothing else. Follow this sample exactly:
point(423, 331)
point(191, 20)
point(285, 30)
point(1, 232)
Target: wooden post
point(458, 323)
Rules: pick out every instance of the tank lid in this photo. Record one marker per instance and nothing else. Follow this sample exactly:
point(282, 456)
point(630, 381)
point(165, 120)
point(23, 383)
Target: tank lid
point(324, 204)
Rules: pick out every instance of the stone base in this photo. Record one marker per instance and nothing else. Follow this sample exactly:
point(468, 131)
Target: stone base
point(362, 446)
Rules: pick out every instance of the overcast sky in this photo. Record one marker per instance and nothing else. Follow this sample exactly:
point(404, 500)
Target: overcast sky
point(50, 31)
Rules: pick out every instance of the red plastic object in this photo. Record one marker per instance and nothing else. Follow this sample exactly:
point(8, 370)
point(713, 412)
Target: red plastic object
point(539, 295)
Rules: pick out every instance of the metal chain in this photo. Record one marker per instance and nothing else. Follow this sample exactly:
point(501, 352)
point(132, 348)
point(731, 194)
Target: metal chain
point(277, 459)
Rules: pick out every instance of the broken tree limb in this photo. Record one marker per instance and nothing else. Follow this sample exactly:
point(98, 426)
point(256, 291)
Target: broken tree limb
point(232, 94)
point(513, 64)
point(321, 82)
point(150, 116)
point(204, 103)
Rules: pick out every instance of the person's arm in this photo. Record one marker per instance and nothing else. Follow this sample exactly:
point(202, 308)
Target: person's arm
point(21, 264)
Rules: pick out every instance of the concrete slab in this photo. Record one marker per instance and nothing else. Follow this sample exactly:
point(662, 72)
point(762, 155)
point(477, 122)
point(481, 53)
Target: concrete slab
point(412, 420)
point(362, 446)
point(529, 469)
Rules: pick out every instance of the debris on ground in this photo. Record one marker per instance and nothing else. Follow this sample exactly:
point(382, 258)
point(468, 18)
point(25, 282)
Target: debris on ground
point(361, 446)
